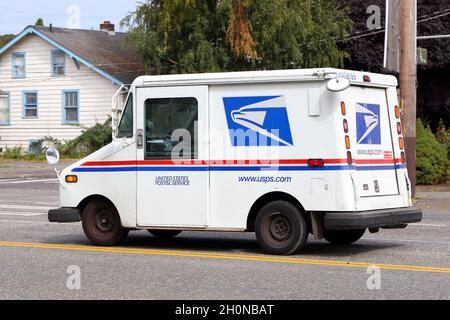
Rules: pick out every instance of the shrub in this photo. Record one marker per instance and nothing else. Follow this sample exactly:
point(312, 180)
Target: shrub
point(443, 136)
point(432, 162)
point(91, 140)
point(88, 142)
point(17, 153)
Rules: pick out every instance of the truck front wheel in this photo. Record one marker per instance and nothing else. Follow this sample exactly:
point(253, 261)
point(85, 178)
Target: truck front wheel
point(102, 225)
point(280, 228)
point(343, 237)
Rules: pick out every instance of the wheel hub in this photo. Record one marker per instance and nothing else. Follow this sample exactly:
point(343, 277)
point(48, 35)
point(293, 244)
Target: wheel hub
point(280, 228)
point(104, 221)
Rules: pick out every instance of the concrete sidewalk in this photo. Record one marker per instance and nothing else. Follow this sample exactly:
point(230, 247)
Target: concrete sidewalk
point(11, 169)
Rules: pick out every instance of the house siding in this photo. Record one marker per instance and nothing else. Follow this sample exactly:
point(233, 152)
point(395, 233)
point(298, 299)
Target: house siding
point(95, 94)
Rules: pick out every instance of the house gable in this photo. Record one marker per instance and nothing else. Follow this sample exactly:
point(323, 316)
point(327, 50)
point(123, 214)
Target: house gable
point(77, 58)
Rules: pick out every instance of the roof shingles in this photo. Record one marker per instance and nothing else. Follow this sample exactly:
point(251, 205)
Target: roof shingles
point(110, 53)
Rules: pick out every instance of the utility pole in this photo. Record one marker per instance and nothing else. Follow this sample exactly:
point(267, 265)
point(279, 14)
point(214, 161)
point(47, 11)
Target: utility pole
point(392, 50)
point(408, 82)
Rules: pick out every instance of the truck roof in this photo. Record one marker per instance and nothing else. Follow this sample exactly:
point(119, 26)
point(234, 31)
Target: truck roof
point(292, 75)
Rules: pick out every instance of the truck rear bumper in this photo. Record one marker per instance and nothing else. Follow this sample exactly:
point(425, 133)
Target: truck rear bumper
point(64, 215)
point(390, 218)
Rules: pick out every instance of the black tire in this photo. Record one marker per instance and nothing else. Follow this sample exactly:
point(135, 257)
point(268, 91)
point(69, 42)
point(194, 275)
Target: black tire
point(343, 237)
point(280, 228)
point(165, 234)
point(102, 225)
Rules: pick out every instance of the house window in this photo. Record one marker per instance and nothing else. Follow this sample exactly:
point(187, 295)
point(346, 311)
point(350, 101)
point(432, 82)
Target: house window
point(58, 63)
point(18, 65)
point(4, 108)
point(30, 105)
point(71, 107)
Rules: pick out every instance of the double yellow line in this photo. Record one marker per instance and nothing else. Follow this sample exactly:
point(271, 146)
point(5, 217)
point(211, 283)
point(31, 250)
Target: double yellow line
point(212, 255)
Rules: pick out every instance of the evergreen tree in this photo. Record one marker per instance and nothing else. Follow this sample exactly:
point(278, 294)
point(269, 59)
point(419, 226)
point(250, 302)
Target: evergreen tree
point(39, 22)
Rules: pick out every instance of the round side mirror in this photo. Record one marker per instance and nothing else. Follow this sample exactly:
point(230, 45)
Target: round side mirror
point(52, 156)
point(338, 84)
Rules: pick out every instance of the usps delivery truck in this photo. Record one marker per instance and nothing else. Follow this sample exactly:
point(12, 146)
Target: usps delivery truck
point(284, 154)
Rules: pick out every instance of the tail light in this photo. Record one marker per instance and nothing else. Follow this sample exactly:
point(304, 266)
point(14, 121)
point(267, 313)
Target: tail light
point(345, 126)
point(349, 158)
point(399, 128)
point(403, 157)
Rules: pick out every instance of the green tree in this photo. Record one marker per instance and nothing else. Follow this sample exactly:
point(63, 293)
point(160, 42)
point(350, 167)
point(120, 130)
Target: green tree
point(39, 22)
point(5, 39)
point(184, 36)
point(432, 163)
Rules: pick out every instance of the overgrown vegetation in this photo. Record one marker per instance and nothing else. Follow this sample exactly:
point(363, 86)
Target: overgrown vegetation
point(186, 36)
point(432, 163)
point(5, 39)
point(17, 153)
point(443, 136)
point(91, 140)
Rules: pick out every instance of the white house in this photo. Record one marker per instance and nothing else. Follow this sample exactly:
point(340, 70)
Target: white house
point(56, 81)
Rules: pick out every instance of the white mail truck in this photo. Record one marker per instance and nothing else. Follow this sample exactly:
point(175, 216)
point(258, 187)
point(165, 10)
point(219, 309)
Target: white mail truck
point(284, 154)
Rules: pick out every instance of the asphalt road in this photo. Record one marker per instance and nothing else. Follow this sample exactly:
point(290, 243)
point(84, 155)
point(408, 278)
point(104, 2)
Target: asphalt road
point(35, 256)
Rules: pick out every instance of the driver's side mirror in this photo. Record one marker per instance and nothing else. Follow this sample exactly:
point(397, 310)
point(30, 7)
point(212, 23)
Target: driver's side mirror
point(52, 156)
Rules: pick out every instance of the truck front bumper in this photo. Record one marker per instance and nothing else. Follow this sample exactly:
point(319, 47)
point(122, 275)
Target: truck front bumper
point(64, 215)
point(390, 218)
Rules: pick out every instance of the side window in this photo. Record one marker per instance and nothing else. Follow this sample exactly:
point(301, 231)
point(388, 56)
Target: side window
point(58, 63)
point(4, 108)
point(30, 105)
point(71, 107)
point(18, 65)
point(166, 117)
point(125, 129)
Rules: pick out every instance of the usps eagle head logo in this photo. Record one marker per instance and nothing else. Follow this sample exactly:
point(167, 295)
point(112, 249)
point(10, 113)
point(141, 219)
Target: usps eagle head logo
point(368, 129)
point(258, 121)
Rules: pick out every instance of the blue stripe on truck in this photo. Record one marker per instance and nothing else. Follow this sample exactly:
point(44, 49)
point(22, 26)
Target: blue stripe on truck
point(236, 168)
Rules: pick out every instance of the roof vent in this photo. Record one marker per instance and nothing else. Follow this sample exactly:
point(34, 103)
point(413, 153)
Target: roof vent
point(108, 27)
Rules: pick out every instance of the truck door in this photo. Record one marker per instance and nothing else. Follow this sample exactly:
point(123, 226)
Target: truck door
point(372, 144)
point(172, 175)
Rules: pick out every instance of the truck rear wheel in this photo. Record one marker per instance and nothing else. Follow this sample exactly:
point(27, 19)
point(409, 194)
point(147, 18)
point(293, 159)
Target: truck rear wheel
point(343, 236)
point(280, 228)
point(102, 225)
point(165, 234)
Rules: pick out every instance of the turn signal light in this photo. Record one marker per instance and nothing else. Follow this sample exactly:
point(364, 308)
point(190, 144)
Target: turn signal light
point(347, 142)
point(71, 179)
point(401, 143)
point(397, 112)
point(343, 108)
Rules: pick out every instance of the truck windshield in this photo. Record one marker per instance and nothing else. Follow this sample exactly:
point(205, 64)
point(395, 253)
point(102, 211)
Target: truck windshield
point(126, 124)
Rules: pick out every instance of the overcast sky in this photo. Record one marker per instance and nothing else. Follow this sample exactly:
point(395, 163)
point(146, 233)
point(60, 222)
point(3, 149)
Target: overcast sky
point(15, 15)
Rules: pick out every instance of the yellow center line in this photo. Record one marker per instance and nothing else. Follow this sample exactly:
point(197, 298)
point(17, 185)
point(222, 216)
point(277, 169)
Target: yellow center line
point(212, 255)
